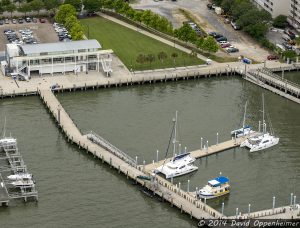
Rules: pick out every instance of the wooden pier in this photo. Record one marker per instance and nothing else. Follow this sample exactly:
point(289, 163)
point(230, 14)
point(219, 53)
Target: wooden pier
point(203, 152)
point(185, 201)
point(266, 79)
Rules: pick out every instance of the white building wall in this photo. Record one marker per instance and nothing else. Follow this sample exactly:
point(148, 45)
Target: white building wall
point(275, 7)
point(294, 14)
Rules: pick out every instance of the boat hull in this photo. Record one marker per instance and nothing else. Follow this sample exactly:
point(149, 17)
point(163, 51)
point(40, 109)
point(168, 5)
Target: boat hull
point(190, 170)
point(265, 146)
point(213, 196)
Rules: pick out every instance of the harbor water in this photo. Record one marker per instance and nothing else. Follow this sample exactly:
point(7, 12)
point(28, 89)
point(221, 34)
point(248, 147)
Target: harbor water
point(75, 190)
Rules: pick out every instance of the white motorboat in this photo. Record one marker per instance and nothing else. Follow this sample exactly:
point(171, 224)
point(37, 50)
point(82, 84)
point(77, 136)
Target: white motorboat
point(214, 188)
point(261, 141)
point(178, 166)
point(19, 176)
point(245, 130)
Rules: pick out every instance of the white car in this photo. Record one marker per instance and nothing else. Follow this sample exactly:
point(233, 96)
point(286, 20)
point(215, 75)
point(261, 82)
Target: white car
point(223, 42)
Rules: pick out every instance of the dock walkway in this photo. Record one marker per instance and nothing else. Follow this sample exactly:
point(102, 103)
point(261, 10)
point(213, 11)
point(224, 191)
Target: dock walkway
point(266, 79)
point(203, 152)
point(186, 202)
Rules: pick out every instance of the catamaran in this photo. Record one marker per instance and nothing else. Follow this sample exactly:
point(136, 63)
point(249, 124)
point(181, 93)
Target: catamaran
point(263, 140)
point(214, 188)
point(25, 182)
point(180, 164)
point(245, 130)
point(19, 176)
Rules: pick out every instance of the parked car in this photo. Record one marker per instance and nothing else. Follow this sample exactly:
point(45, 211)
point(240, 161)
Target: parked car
point(28, 19)
point(215, 35)
point(223, 42)
point(6, 21)
point(14, 21)
point(34, 20)
point(42, 20)
point(272, 57)
point(222, 38)
point(1, 22)
point(232, 49)
point(20, 20)
point(225, 45)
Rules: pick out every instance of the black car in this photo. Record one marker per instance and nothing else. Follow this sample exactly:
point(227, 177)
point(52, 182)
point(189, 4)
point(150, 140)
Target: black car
point(222, 38)
point(232, 50)
point(28, 19)
point(1, 22)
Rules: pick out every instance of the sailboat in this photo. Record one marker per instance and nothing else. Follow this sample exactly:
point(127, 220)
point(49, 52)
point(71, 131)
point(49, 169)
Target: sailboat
point(245, 130)
point(4, 141)
point(180, 164)
point(264, 140)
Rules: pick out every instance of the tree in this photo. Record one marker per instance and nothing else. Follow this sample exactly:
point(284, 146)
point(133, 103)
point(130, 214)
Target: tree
point(75, 3)
point(162, 56)
point(280, 21)
point(146, 17)
point(200, 42)
point(141, 59)
point(92, 5)
point(257, 30)
point(11, 8)
point(289, 54)
point(25, 8)
point(51, 5)
point(76, 32)
point(226, 5)
point(186, 33)
point(70, 22)
point(65, 11)
point(210, 44)
point(174, 56)
point(137, 16)
point(150, 58)
point(118, 5)
point(37, 5)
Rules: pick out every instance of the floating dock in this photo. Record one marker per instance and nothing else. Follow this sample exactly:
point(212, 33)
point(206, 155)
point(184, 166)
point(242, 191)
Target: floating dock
point(13, 163)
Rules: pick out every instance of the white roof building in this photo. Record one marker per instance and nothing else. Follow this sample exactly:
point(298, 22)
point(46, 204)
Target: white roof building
point(49, 58)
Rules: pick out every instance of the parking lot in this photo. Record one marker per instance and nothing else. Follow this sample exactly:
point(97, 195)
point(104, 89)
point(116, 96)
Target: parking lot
point(41, 32)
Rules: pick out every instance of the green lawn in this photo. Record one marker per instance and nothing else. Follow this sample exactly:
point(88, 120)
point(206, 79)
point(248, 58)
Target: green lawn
point(128, 44)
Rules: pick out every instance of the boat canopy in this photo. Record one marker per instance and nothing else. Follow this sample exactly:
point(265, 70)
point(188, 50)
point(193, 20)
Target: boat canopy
point(218, 181)
point(178, 157)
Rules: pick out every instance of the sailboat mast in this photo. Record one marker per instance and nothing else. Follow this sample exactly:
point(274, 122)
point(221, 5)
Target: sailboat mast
point(263, 111)
point(175, 134)
point(4, 127)
point(245, 114)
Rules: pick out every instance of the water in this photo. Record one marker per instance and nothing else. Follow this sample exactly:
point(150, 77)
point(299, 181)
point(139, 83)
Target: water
point(292, 76)
point(77, 191)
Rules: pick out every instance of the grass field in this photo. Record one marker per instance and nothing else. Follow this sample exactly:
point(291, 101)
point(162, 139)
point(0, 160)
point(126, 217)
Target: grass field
point(128, 44)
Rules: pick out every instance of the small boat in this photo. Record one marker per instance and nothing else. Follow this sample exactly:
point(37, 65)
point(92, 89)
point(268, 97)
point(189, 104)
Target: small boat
point(245, 130)
point(178, 166)
point(263, 140)
point(19, 176)
point(214, 188)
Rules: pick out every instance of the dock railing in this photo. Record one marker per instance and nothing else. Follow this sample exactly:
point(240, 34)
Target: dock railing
point(271, 74)
point(92, 136)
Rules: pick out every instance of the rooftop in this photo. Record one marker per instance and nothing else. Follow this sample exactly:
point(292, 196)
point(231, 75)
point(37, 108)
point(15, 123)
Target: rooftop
point(29, 49)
